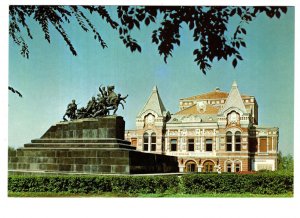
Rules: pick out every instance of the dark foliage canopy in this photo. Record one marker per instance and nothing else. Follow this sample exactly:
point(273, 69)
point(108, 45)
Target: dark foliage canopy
point(209, 26)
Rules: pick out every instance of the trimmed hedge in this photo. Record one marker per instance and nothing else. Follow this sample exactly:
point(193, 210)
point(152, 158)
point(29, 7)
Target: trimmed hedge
point(260, 183)
point(93, 184)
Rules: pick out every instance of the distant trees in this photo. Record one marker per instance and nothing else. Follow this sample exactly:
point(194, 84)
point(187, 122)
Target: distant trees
point(285, 163)
point(11, 151)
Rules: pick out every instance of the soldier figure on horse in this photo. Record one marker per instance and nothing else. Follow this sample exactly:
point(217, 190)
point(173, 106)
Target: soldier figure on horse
point(107, 100)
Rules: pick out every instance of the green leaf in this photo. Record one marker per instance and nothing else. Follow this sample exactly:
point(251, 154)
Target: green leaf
point(234, 62)
point(147, 21)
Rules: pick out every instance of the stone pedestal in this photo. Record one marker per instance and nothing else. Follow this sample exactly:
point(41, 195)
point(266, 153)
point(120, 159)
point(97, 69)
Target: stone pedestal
point(87, 146)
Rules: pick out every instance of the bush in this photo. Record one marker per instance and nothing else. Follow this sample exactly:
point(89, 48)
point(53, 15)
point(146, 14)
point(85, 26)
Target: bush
point(11, 151)
point(93, 184)
point(259, 183)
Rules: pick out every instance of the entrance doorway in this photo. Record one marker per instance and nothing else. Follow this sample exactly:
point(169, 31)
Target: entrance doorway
point(190, 167)
point(208, 166)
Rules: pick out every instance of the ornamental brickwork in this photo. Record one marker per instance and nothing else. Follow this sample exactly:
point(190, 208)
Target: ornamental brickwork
point(212, 131)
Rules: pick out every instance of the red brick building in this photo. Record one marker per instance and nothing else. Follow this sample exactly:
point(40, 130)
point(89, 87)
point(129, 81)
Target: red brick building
point(210, 131)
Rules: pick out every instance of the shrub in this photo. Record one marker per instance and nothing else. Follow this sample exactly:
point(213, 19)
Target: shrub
point(93, 184)
point(11, 151)
point(259, 183)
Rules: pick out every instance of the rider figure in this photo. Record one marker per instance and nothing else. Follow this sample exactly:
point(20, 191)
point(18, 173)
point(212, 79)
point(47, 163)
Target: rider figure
point(71, 111)
point(111, 95)
point(91, 106)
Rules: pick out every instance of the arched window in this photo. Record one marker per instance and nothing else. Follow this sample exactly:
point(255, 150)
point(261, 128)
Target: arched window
point(208, 166)
point(228, 167)
point(191, 166)
point(237, 167)
point(146, 141)
point(229, 141)
point(153, 142)
point(237, 141)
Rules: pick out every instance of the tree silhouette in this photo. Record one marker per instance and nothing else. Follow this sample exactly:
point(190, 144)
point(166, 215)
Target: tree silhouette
point(209, 26)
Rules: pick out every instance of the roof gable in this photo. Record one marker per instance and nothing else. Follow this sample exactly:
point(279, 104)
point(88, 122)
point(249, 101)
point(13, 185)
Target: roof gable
point(234, 100)
point(154, 103)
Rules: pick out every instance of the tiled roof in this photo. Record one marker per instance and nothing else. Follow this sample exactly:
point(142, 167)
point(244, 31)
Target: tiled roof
point(191, 118)
point(209, 109)
point(216, 94)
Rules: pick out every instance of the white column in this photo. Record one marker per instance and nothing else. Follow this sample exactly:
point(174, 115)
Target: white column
point(272, 143)
point(200, 168)
point(202, 141)
point(149, 142)
point(241, 165)
point(181, 169)
point(179, 141)
point(214, 141)
point(233, 142)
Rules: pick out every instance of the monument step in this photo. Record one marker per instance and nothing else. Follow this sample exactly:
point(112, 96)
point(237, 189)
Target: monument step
point(78, 145)
point(104, 127)
point(80, 140)
point(91, 161)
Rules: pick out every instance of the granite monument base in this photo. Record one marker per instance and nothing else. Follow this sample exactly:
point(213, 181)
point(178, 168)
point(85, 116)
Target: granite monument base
point(87, 146)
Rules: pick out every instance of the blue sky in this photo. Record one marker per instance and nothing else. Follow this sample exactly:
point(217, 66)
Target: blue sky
point(52, 76)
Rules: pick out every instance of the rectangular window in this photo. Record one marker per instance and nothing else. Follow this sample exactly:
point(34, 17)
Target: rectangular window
point(191, 146)
point(145, 147)
point(146, 141)
point(153, 142)
point(153, 147)
point(237, 145)
point(229, 168)
point(229, 147)
point(208, 145)
point(173, 144)
point(229, 141)
point(270, 144)
point(237, 167)
point(263, 145)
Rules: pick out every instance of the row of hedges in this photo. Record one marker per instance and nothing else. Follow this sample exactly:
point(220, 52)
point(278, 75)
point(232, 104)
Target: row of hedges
point(266, 183)
point(93, 184)
point(261, 183)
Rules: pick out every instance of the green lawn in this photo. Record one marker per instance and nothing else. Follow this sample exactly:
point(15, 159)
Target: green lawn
point(178, 195)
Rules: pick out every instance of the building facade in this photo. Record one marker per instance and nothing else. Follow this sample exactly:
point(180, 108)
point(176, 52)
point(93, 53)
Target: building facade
point(214, 131)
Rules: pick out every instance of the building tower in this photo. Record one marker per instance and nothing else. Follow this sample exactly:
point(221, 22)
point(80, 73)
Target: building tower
point(151, 124)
